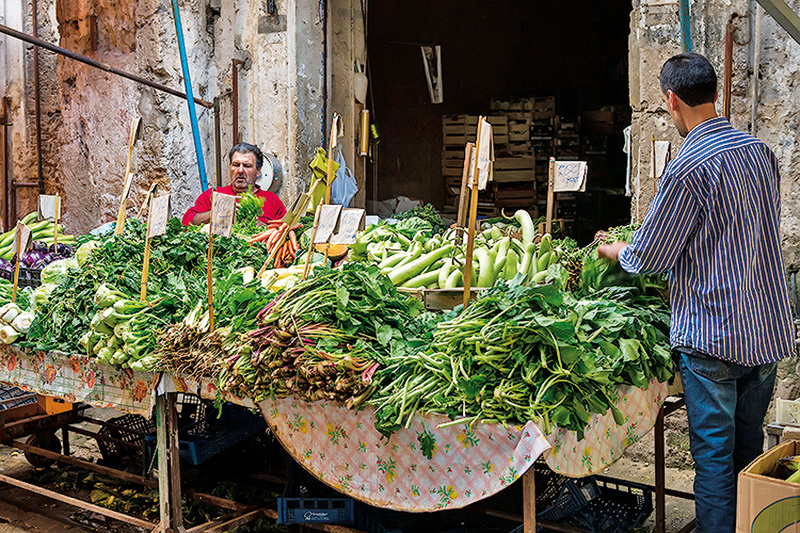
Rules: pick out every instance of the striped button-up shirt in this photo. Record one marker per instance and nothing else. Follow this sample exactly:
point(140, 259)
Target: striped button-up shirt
point(715, 226)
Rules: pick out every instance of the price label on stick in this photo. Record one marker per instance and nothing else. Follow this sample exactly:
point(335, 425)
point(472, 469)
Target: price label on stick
point(23, 236)
point(49, 207)
point(328, 218)
point(485, 157)
point(223, 209)
point(159, 214)
point(350, 221)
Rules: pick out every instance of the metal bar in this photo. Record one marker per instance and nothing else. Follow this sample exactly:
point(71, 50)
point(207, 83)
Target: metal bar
point(227, 523)
point(784, 16)
point(756, 69)
point(217, 143)
point(105, 438)
point(41, 510)
point(91, 62)
point(65, 440)
point(15, 183)
point(187, 83)
point(661, 518)
point(688, 527)
point(728, 70)
point(5, 111)
point(75, 502)
point(235, 98)
point(686, 25)
point(37, 98)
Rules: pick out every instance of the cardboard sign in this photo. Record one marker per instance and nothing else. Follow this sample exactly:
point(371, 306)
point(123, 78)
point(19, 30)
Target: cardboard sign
point(159, 214)
point(23, 234)
point(569, 176)
point(485, 157)
point(328, 219)
point(223, 209)
point(49, 207)
point(350, 221)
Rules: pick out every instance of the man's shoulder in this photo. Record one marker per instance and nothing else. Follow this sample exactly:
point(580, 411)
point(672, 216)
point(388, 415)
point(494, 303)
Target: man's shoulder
point(266, 194)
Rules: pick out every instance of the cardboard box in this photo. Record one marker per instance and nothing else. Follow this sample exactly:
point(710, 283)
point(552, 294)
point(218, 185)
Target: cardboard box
point(766, 504)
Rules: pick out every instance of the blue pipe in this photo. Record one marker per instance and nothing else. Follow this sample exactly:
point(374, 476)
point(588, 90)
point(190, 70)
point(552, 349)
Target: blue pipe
point(187, 82)
point(686, 26)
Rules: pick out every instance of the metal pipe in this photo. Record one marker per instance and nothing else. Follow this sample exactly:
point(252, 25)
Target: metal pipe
point(686, 25)
point(756, 67)
point(660, 473)
point(187, 83)
point(5, 110)
point(217, 143)
point(91, 62)
point(37, 98)
point(235, 98)
point(728, 74)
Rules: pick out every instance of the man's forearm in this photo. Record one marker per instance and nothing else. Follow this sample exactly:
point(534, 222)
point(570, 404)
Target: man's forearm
point(201, 218)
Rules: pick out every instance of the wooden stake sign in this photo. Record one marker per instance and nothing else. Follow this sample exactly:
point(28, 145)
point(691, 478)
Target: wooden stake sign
point(156, 225)
point(311, 242)
point(22, 239)
point(480, 172)
point(136, 129)
point(223, 210)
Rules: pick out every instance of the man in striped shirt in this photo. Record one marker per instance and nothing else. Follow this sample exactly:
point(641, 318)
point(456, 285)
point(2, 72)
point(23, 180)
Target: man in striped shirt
point(714, 225)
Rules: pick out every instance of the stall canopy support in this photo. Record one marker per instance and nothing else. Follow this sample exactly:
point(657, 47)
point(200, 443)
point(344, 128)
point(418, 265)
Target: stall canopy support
point(784, 16)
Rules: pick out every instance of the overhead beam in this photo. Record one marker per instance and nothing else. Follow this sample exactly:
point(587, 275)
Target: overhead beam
point(784, 16)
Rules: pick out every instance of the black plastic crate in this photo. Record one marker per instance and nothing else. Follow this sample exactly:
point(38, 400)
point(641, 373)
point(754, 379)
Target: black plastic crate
point(307, 500)
point(129, 428)
point(28, 277)
point(11, 397)
point(621, 506)
point(558, 497)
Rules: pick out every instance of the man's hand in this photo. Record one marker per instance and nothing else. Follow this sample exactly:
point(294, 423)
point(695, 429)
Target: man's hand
point(611, 251)
point(202, 218)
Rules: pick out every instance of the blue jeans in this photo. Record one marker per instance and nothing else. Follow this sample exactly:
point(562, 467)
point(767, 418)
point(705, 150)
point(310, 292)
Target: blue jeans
point(726, 404)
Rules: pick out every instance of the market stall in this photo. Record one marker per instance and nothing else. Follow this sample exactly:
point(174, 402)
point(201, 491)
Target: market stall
point(384, 401)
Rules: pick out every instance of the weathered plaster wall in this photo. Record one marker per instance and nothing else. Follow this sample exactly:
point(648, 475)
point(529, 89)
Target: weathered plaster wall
point(87, 112)
point(655, 36)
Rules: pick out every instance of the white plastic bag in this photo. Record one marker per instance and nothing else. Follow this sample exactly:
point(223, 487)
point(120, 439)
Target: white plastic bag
point(344, 185)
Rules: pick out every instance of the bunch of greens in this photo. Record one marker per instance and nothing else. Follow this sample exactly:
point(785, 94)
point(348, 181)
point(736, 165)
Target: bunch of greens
point(429, 214)
point(529, 353)
point(178, 263)
point(250, 208)
point(325, 337)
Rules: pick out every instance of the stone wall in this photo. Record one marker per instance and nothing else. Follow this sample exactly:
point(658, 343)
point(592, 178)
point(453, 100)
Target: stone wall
point(655, 36)
point(87, 113)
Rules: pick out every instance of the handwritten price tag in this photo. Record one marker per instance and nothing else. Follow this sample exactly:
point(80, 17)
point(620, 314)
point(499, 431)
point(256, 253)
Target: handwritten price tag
point(159, 214)
point(223, 208)
point(328, 218)
point(23, 235)
point(49, 207)
point(350, 221)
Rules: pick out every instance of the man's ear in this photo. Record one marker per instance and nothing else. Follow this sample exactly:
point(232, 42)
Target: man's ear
point(672, 100)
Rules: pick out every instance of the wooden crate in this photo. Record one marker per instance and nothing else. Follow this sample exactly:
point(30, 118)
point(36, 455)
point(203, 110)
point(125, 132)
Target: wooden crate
point(514, 163)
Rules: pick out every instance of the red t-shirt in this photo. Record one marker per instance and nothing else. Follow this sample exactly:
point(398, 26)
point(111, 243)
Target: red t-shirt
point(273, 207)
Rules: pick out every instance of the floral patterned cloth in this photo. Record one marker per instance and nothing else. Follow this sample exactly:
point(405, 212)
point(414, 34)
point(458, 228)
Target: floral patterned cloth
point(426, 468)
point(77, 378)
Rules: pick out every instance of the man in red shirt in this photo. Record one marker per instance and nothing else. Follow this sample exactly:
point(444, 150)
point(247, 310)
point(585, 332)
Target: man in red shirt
point(246, 160)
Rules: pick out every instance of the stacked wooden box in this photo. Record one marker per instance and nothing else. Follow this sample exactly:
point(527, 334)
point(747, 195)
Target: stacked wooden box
point(515, 182)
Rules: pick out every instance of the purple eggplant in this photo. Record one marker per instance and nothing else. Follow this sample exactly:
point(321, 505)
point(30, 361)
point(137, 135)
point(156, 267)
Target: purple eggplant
point(39, 246)
point(64, 250)
point(6, 265)
point(32, 257)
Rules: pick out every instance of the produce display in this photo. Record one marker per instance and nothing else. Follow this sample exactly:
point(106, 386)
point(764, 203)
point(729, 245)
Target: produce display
point(43, 250)
point(554, 335)
point(414, 258)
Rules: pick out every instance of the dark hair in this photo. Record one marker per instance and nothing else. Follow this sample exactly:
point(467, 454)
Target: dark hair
point(691, 77)
point(246, 148)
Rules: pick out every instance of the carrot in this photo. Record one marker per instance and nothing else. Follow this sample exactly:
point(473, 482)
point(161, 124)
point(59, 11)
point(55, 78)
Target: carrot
point(272, 240)
point(293, 239)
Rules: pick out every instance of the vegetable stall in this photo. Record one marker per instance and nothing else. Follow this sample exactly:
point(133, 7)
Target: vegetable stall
point(560, 354)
